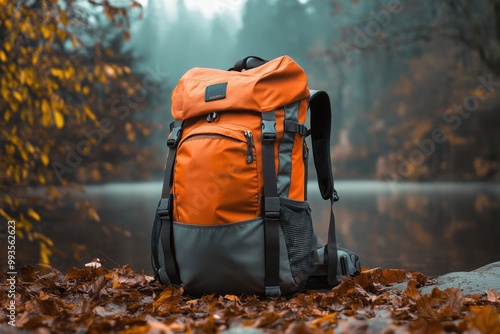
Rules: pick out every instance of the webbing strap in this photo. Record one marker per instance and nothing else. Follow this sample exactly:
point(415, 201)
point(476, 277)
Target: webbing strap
point(331, 248)
point(271, 206)
point(169, 262)
point(296, 127)
point(173, 140)
point(162, 226)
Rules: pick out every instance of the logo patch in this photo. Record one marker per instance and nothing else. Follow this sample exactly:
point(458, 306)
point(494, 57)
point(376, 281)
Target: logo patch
point(215, 92)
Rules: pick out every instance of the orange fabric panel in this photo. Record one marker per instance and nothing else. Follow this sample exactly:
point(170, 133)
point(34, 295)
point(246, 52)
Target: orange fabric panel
point(279, 82)
point(297, 180)
point(213, 182)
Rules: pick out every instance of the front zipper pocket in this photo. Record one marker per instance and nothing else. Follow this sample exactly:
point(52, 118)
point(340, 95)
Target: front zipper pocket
point(215, 177)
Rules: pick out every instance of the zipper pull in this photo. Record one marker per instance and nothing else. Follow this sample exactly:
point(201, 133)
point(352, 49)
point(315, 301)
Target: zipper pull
point(249, 137)
point(211, 117)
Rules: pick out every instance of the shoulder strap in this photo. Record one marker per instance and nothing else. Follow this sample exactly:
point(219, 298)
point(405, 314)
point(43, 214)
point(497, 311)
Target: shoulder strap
point(321, 118)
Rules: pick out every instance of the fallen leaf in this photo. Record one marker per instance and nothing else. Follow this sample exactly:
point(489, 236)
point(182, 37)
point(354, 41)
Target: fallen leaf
point(411, 291)
point(486, 319)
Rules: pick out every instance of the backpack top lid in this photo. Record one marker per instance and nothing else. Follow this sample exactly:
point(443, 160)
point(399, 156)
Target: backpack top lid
point(201, 91)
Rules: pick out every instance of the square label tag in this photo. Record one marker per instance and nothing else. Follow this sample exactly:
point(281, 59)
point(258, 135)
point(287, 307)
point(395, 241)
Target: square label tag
point(215, 92)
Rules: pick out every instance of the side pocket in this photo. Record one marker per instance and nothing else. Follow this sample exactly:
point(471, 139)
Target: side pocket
point(296, 223)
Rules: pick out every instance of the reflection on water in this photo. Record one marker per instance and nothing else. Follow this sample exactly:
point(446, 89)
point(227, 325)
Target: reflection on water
point(433, 228)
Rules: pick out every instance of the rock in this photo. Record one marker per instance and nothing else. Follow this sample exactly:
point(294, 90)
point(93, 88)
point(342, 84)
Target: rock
point(472, 282)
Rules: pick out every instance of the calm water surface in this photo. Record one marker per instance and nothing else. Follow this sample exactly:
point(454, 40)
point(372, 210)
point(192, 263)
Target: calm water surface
point(433, 228)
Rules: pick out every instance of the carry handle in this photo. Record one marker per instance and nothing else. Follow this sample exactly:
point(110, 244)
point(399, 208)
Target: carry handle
point(247, 63)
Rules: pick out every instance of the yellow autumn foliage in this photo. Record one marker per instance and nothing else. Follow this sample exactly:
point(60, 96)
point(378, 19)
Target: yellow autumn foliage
point(48, 88)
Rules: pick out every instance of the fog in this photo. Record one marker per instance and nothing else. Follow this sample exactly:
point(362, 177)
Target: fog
point(391, 77)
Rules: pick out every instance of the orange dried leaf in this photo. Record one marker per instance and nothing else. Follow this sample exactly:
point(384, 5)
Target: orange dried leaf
point(411, 291)
point(485, 319)
point(93, 214)
point(442, 305)
point(232, 298)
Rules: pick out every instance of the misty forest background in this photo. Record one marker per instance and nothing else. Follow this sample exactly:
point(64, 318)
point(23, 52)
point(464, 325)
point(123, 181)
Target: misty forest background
point(85, 89)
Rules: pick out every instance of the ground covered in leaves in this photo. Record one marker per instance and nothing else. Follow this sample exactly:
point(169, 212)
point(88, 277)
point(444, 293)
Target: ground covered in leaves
point(98, 300)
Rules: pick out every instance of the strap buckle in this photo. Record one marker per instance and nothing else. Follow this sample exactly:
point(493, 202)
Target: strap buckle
point(335, 196)
point(296, 127)
point(301, 129)
point(268, 130)
point(273, 291)
point(272, 208)
point(175, 135)
point(164, 208)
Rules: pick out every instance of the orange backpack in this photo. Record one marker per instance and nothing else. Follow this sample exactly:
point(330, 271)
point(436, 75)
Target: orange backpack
point(233, 216)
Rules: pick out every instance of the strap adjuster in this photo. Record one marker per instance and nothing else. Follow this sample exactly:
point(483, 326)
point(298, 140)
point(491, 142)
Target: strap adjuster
point(296, 127)
point(164, 208)
point(272, 208)
point(301, 129)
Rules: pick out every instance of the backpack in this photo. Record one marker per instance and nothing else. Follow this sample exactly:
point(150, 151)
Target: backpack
point(233, 216)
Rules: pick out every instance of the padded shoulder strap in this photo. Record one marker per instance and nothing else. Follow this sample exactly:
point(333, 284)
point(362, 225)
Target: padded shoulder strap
point(321, 118)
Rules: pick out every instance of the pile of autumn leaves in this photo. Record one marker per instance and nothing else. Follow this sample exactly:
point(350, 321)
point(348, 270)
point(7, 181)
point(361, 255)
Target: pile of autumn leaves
point(97, 300)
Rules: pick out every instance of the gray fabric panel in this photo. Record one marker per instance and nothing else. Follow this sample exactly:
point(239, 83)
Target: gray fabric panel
point(221, 259)
point(285, 151)
point(353, 263)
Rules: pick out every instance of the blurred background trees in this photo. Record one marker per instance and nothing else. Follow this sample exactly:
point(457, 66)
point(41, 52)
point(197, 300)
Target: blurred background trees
point(73, 109)
point(398, 72)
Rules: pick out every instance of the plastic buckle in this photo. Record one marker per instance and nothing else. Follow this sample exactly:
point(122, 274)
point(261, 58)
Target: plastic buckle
point(268, 130)
point(272, 208)
point(301, 129)
point(272, 215)
point(174, 136)
point(335, 196)
point(273, 291)
point(164, 208)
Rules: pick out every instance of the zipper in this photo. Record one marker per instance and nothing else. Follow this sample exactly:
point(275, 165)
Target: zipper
point(211, 117)
point(305, 152)
point(249, 137)
point(210, 135)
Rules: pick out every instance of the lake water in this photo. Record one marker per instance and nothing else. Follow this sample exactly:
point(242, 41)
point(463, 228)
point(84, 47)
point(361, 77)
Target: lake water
point(433, 228)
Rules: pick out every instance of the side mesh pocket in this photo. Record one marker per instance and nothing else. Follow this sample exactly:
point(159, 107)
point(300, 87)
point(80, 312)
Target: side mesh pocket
point(296, 223)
